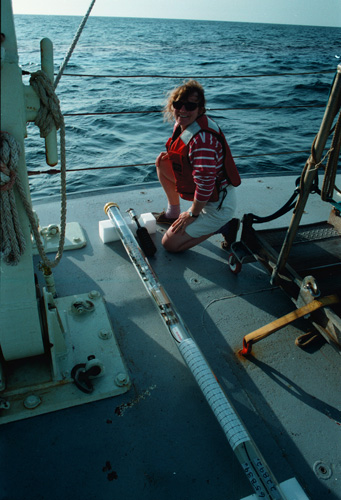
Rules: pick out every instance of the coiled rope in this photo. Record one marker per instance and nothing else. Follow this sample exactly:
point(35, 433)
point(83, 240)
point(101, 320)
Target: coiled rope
point(49, 115)
point(12, 239)
point(13, 243)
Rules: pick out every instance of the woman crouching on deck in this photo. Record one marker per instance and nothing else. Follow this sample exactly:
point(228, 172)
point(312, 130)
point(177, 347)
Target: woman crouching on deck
point(198, 166)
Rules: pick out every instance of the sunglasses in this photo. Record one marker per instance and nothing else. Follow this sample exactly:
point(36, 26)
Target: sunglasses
point(189, 106)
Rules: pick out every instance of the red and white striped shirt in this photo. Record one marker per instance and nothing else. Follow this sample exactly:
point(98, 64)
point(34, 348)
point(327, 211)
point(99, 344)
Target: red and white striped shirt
point(206, 158)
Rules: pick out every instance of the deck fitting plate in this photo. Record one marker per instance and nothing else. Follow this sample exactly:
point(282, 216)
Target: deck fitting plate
point(87, 334)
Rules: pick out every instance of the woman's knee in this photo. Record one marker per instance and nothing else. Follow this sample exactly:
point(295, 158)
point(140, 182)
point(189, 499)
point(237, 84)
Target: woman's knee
point(172, 243)
point(169, 244)
point(165, 167)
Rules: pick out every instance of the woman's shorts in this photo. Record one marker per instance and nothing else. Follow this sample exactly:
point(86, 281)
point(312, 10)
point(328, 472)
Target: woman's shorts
point(211, 219)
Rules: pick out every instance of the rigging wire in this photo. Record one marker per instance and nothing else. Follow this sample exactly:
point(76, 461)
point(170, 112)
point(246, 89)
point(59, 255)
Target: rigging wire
point(199, 77)
point(183, 77)
point(54, 171)
point(113, 113)
point(101, 113)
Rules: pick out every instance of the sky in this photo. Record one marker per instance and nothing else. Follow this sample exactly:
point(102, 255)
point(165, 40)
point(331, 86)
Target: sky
point(302, 12)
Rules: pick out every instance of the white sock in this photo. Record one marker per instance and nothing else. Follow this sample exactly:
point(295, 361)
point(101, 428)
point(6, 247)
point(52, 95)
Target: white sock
point(173, 211)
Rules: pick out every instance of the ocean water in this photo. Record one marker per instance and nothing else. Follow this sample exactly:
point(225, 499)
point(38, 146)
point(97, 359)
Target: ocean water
point(138, 61)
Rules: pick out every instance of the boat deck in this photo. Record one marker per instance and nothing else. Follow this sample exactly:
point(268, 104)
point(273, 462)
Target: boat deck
point(160, 439)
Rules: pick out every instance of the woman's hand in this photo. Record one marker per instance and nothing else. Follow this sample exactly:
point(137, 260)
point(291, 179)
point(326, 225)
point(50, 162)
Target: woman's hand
point(161, 157)
point(184, 219)
point(181, 223)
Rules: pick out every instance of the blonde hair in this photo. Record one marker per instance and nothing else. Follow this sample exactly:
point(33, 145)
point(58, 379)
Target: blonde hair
point(182, 93)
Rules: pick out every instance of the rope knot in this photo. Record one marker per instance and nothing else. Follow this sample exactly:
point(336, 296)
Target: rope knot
point(9, 157)
point(12, 242)
point(7, 177)
point(49, 114)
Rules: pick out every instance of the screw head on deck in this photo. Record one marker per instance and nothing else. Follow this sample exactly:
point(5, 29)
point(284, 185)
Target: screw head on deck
point(104, 334)
point(122, 379)
point(32, 401)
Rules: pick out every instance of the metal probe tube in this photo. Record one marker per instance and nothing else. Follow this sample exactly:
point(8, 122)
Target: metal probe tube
point(250, 458)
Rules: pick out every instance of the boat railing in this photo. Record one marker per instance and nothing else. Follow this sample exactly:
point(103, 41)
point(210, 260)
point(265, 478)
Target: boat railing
point(53, 171)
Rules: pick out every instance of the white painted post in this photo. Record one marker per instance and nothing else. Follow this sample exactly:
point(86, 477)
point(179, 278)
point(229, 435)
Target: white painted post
point(20, 332)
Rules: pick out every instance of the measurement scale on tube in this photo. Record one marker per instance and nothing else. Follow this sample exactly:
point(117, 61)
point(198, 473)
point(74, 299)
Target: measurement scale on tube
point(250, 458)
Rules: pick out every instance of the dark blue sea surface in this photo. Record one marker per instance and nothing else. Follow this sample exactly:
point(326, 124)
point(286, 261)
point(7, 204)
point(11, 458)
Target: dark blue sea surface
point(144, 59)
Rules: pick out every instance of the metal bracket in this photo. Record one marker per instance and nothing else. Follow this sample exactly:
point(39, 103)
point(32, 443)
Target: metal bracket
point(74, 237)
point(75, 335)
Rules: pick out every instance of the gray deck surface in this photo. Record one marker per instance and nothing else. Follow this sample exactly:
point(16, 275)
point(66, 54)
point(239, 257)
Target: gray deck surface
point(161, 440)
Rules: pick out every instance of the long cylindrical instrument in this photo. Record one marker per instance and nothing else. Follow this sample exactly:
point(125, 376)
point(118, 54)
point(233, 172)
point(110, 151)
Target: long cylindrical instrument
point(250, 458)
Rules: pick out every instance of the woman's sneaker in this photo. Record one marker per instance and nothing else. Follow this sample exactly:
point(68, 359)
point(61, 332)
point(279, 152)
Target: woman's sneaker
point(162, 219)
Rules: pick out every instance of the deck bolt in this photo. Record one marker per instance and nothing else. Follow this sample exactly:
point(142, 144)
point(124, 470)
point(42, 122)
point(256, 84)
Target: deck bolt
point(94, 294)
point(104, 334)
point(121, 379)
point(32, 401)
point(4, 404)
